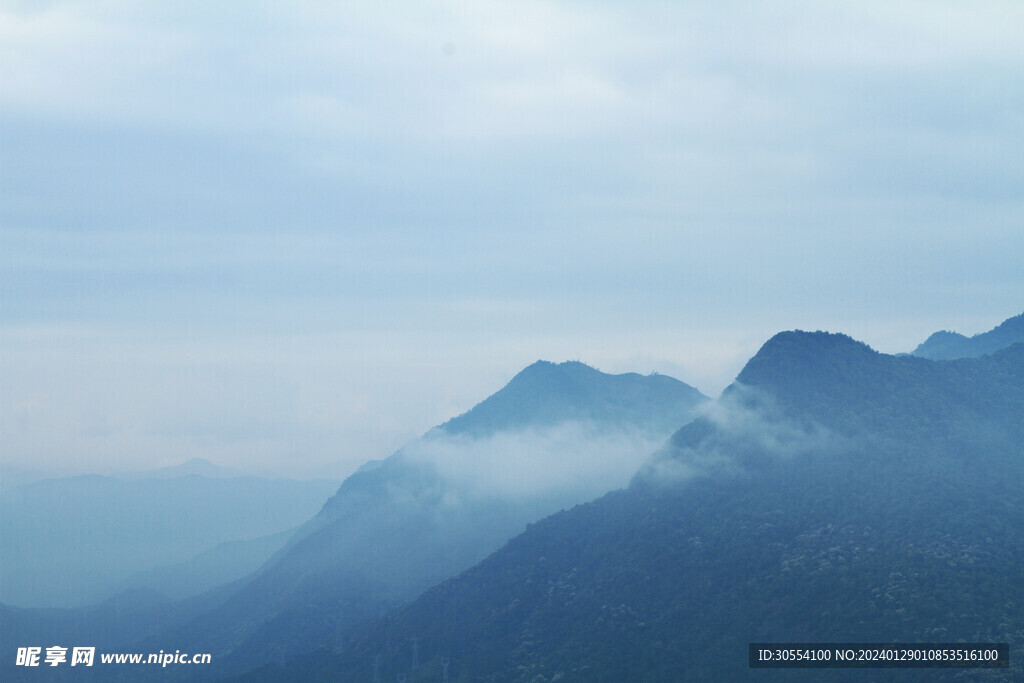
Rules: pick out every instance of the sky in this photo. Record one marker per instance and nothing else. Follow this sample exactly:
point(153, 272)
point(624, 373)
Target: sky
point(288, 237)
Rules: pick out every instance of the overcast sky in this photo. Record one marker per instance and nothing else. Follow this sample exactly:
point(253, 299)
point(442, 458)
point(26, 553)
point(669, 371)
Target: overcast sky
point(290, 236)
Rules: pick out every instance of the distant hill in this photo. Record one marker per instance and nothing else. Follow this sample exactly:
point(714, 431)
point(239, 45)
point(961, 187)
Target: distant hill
point(554, 436)
point(199, 467)
point(947, 345)
point(210, 569)
point(78, 540)
point(833, 494)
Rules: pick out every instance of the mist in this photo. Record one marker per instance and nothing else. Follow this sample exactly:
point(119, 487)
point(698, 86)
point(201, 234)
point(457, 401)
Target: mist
point(743, 429)
point(573, 461)
point(76, 541)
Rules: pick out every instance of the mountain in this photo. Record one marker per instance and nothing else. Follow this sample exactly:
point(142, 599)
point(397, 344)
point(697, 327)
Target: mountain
point(77, 540)
point(947, 345)
point(548, 394)
point(833, 494)
point(211, 568)
point(554, 436)
point(199, 467)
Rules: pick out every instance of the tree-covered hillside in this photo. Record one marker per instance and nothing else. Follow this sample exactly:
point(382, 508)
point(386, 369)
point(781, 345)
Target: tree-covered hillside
point(834, 494)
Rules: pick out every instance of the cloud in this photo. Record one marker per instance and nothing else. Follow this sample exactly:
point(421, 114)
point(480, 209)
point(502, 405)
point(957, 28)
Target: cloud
point(735, 435)
point(543, 112)
point(574, 461)
point(510, 180)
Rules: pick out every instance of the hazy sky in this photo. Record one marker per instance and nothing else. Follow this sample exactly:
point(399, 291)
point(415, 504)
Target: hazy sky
point(289, 236)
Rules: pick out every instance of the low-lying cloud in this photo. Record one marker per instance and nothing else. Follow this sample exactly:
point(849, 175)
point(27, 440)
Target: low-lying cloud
point(742, 428)
point(576, 461)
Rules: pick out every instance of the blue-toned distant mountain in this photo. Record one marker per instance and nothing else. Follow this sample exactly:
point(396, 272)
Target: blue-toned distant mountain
point(194, 467)
point(78, 540)
point(210, 569)
point(833, 494)
point(947, 345)
point(556, 435)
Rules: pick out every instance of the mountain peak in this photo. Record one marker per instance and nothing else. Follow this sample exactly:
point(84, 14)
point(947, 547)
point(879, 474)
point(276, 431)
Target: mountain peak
point(194, 467)
point(947, 345)
point(546, 393)
point(797, 350)
point(546, 367)
point(939, 344)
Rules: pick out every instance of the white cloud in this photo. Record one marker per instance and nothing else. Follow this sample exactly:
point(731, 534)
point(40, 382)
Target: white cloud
point(573, 461)
point(744, 428)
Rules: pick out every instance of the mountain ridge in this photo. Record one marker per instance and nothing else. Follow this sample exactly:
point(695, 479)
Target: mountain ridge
point(410, 521)
point(545, 393)
point(947, 345)
point(902, 535)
